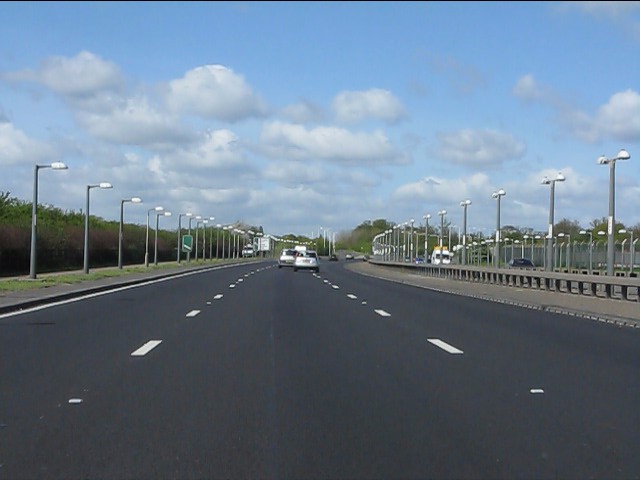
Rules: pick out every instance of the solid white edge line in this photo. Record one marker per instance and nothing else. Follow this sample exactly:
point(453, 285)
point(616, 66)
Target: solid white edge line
point(146, 348)
point(445, 346)
point(110, 291)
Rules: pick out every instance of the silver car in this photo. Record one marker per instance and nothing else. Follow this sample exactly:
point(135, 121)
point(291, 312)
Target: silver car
point(307, 260)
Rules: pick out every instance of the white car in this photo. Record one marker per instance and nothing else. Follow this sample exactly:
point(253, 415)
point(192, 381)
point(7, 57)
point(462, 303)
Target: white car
point(287, 257)
point(307, 260)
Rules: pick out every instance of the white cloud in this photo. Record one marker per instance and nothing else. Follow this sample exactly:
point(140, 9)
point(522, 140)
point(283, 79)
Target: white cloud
point(479, 148)
point(303, 112)
point(17, 148)
point(215, 91)
point(351, 107)
point(78, 77)
point(620, 117)
point(134, 122)
point(283, 140)
point(528, 90)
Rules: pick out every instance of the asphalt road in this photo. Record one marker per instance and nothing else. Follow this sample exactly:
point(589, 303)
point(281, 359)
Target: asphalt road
point(258, 372)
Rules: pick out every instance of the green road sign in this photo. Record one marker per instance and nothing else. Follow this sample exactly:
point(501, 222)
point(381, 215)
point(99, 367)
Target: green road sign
point(187, 243)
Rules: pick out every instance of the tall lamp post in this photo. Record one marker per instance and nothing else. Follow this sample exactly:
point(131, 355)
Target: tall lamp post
point(120, 232)
point(218, 227)
point(442, 214)
point(188, 214)
point(86, 223)
point(426, 236)
point(211, 238)
point(552, 187)
point(585, 232)
point(568, 253)
point(496, 252)
point(34, 212)
point(464, 204)
point(602, 160)
point(411, 253)
point(158, 215)
point(146, 248)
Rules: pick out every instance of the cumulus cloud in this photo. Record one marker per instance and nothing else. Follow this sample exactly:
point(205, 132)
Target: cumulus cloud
point(527, 89)
point(303, 112)
point(479, 148)
point(134, 121)
point(77, 77)
point(283, 140)
point(351, 107)
point(618, 119)
point(17, 148)
point(443, 190)
point(214, 91)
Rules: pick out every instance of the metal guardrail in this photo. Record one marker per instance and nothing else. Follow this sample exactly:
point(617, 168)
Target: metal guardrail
point(601, 286)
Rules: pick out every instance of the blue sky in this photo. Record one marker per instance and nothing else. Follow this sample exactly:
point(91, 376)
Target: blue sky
point(299, 115)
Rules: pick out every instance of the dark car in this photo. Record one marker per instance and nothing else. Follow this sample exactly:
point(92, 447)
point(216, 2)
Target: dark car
point(521, 263)
point(333, 257)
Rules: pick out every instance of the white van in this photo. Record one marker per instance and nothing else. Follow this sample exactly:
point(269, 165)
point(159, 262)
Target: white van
point(440, 256)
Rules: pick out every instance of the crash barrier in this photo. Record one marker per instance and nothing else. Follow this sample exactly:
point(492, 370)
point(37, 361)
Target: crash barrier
point(601, 286)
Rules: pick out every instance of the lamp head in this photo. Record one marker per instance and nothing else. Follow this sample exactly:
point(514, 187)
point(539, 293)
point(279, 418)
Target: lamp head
point(602, 160)
point(135, 200)
point(105, 185)
point(623, 155)
point(58, 166)
point(560, 177)
point(159, 208)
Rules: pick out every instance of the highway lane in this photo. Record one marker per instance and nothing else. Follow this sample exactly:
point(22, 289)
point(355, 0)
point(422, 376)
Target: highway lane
point(257, 372)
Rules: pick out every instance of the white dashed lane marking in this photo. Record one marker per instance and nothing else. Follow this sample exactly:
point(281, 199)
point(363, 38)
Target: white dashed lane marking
point(445, 346)
point(352, 296)
point(218, 296)
point(382, 313)
point(146, 348)
point(193, 313)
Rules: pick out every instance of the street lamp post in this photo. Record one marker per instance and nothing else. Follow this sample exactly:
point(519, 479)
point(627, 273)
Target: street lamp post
point(585, 232)
point(34, 212)
point(211, 238)
point(218, 227)
point(568, 253)
point(86, 223)
point(442, 214)
point(146, 248)
point(120, 232)
point(197, 218)
point(158, 215)
point(632, 248)
point(426, 236)
point(188, 214)
point(464, 204)
point(411, 253)
point(496, 255)
point(552, 186)
point(602, 160)
point(204, 238)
